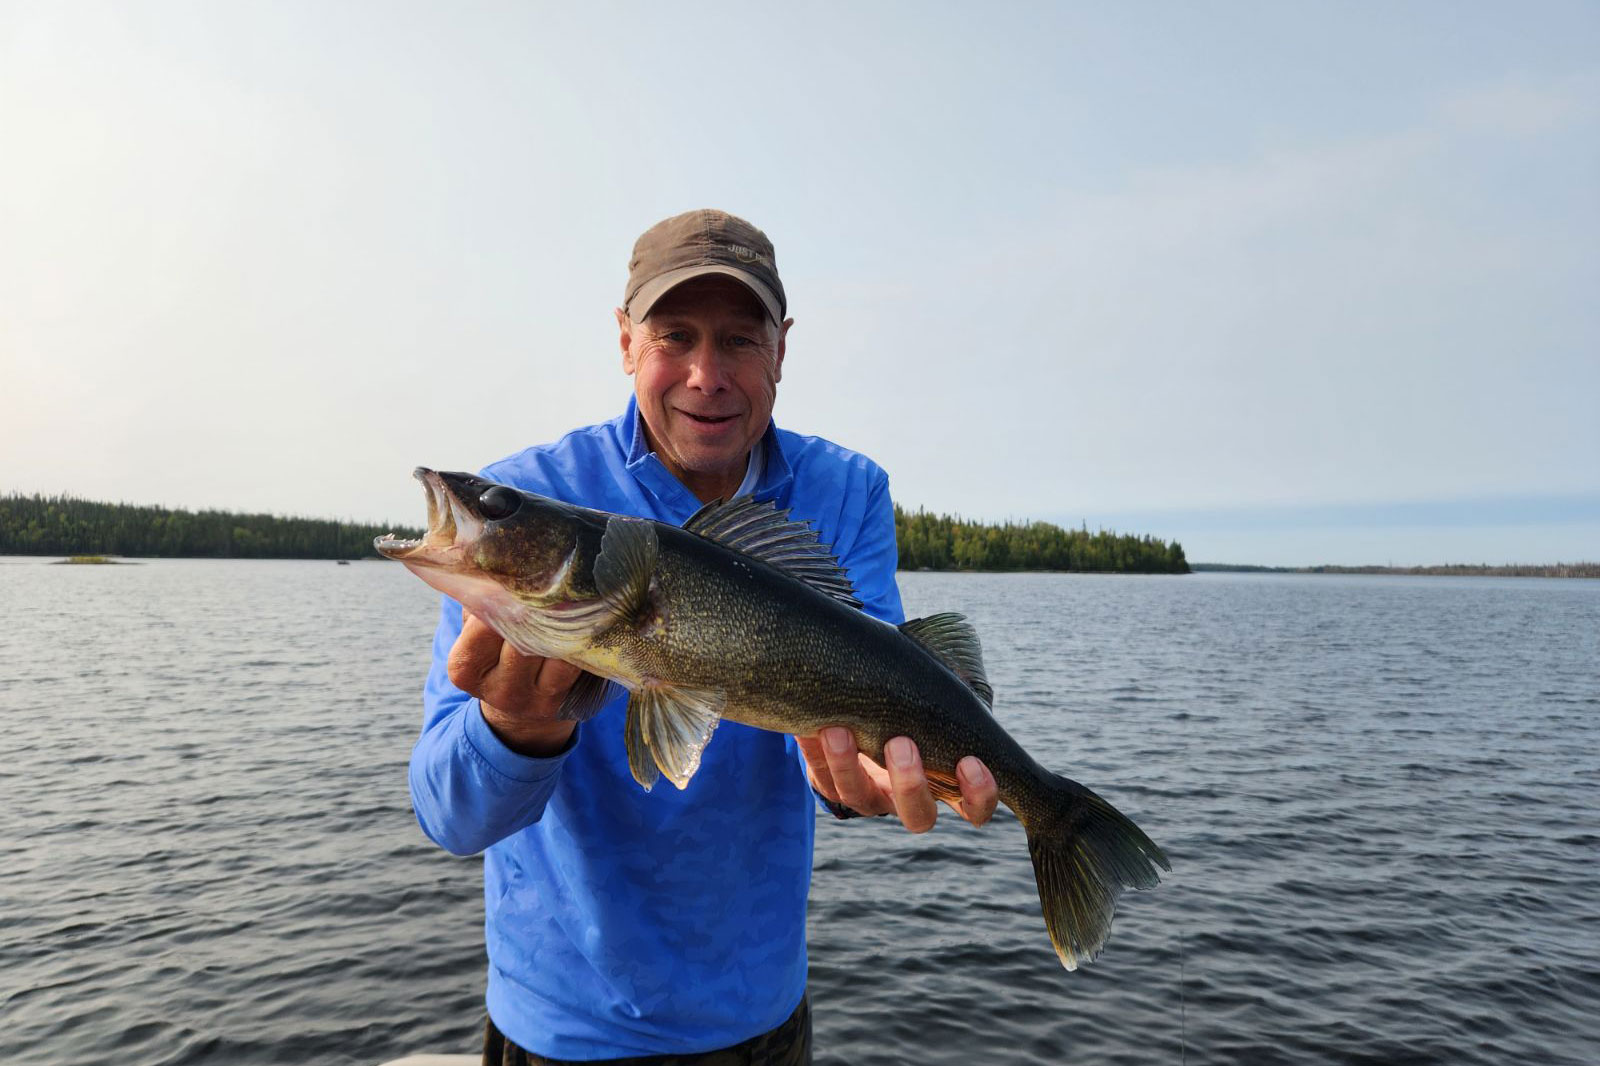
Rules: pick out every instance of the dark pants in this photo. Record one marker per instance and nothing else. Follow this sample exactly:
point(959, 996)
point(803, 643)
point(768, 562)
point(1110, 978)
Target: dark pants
point(787, 1045)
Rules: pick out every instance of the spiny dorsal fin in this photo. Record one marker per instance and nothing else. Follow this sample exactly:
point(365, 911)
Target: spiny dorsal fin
point(626, 563)
point(953, 642)
point(760, 530)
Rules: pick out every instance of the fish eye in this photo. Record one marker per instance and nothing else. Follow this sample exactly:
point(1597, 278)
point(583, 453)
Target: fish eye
point(499, 502)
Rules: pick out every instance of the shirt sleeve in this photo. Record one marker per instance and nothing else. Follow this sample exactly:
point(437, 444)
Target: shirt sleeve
point(468, 789)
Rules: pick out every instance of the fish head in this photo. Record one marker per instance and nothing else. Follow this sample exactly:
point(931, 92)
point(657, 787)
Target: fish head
point(499, 551)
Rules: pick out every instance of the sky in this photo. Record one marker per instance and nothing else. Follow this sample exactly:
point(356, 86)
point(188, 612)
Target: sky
point(1289, 283)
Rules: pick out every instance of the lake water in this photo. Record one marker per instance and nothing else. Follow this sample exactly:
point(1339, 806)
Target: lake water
point(1379, 796)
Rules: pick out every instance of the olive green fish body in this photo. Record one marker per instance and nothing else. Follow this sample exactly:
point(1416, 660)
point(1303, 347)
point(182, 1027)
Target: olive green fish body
point(743, 615)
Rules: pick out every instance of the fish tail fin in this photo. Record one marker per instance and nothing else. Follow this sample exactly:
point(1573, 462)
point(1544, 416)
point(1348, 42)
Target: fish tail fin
point(1085, 852)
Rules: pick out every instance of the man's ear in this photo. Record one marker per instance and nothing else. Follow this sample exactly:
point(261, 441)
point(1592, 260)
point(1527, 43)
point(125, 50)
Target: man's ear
point(783, 341)
point(625, 340)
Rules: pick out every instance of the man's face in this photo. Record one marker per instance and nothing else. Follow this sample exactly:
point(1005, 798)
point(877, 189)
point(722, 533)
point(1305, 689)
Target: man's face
point(705, 366)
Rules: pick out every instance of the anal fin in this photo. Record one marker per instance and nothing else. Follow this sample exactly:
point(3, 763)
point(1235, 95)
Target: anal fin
point(943, 786)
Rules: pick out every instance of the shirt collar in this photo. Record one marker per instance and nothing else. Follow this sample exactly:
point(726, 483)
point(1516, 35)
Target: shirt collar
point(754, 467)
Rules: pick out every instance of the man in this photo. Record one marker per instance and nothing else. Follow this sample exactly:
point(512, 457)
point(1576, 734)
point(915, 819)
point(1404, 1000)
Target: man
point(623, 924)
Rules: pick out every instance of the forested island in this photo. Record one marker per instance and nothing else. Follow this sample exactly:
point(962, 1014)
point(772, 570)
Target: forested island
point(65, 525)
point(942, 542)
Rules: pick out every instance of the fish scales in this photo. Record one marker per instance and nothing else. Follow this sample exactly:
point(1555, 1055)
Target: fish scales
point(788, 656)
point(742, 615)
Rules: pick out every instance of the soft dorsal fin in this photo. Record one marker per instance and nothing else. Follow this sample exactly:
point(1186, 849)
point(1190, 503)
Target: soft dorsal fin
point(951, 640)
point(760, 530)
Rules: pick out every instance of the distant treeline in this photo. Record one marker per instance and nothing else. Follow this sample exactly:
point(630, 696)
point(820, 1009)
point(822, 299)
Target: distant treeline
point(64, 525)
point(940, 542)
point(1446, 570)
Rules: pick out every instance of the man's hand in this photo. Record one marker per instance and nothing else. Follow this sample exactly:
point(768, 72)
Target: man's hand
point(520, 694)
point(841, 773)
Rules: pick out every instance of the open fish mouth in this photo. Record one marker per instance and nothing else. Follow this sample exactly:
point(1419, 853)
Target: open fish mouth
point(452, 526)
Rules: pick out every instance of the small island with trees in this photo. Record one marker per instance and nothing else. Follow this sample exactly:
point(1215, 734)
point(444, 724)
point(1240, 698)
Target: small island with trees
point(942, 542)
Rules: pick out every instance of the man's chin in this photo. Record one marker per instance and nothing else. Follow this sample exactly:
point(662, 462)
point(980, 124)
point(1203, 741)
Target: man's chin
point(715, 463)
point(698, 463)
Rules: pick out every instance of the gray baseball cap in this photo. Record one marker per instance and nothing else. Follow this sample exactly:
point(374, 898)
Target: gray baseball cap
point(697, 243)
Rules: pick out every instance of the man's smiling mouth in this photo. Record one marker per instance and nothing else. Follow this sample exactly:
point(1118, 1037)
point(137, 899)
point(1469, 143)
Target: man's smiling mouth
point(709, 420)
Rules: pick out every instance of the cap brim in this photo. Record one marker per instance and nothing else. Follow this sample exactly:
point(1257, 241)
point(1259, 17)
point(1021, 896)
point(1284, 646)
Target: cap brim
point(657, 287)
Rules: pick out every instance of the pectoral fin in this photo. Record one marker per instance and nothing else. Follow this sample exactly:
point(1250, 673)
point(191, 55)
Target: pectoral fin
point(626, 565)
point(669, 725)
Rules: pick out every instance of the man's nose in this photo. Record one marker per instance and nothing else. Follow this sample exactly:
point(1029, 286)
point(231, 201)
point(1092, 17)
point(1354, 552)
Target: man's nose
point(706, 371)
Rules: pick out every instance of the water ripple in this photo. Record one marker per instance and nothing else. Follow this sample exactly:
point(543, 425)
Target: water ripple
point(1378, 796)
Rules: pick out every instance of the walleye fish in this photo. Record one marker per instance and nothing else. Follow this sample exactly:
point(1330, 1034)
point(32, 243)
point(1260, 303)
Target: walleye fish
point(743, 614)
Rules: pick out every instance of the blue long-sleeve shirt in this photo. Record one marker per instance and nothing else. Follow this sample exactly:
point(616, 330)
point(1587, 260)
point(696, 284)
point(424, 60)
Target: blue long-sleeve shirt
point(620, 922)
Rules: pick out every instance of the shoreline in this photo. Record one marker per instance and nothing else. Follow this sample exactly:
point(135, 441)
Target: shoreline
point(1549, 570)
point(1561, 570)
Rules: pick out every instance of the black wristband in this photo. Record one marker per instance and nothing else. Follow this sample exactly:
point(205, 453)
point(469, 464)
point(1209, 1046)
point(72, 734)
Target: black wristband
point(840, 811)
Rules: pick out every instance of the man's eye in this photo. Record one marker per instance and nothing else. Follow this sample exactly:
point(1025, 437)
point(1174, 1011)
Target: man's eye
point(740, 342)
point(677, 336)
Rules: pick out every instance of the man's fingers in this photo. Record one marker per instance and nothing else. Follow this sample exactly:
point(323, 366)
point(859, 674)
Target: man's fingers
point(978, 791)
point(817, 763)
point(844, 766)
point(556, 678)
point(543, 683)
point(476, 651)
point(840, 772)
point(913, 802)
point(512, 662)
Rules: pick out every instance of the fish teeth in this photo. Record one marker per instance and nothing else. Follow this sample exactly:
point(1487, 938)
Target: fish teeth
point(464, 525)
point(441, 513)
